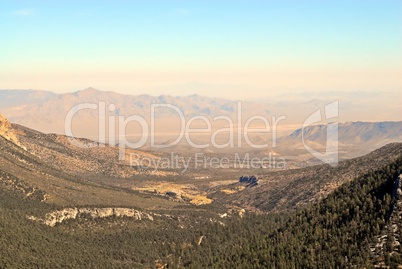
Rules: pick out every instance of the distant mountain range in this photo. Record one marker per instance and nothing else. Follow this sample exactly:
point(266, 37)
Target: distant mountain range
point(354, 138)
point(46, 112)
point(354, 132)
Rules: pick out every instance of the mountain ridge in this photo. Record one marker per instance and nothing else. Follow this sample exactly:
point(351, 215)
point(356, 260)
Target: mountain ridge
point(46, 112)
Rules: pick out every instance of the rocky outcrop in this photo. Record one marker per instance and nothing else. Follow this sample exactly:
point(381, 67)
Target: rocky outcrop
point(55, 217)
point(251, 181)
point(6, 130)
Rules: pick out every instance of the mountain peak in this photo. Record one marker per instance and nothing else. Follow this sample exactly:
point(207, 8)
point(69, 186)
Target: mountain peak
point(90, 89)
point(87, 92)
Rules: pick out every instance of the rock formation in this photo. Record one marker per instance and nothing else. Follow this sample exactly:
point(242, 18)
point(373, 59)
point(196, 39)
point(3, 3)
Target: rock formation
point(55, 217)
point(6, 130)
point(251, 181)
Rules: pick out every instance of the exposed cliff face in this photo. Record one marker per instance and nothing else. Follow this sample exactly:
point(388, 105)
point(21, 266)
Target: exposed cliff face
point(6, 130)
point(51, 219)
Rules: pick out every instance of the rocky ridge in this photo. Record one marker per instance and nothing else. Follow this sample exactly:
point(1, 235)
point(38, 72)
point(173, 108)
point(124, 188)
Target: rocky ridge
point(59, 216)
point(6, 130)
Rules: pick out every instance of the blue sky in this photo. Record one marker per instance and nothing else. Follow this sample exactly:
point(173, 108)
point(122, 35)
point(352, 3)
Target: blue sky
point(159, 46)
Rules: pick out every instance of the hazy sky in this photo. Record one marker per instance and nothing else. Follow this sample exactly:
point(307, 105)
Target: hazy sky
point(208, 47)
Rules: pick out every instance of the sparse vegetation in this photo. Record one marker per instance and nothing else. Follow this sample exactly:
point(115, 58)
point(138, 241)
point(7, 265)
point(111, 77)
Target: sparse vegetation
point(337, 214)
point(334, 233)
